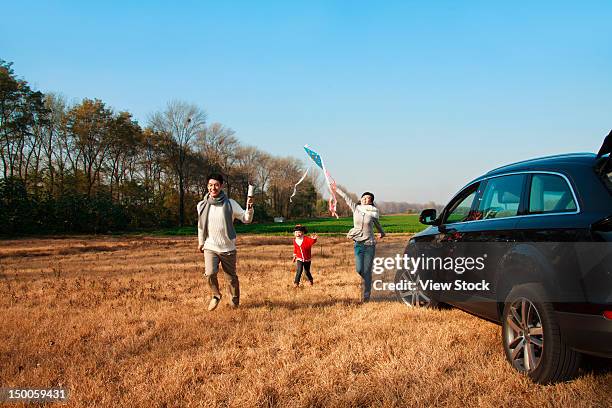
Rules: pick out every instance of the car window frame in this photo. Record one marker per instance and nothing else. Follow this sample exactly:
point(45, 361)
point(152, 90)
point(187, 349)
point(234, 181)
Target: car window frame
point(520, 209)
point(524, 204)
point(528, 195)
point(459, 197)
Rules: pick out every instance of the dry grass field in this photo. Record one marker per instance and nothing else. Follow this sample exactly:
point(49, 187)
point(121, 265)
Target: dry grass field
point(123, 322)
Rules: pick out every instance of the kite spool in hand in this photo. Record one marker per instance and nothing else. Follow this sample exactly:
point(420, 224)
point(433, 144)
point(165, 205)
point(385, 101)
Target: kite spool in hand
point(250, 196)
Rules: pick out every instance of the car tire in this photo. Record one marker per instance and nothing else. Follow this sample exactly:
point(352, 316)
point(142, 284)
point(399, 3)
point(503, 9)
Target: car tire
point(531, 337)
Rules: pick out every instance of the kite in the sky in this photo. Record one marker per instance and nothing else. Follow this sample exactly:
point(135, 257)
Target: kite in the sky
point(331, 184)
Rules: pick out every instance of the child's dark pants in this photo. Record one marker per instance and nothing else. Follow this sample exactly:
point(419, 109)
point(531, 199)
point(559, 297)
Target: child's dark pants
point(298, 273)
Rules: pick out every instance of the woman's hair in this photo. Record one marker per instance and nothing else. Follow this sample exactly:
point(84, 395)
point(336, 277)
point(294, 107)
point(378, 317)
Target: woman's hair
point(370, 194)
point(300, 227)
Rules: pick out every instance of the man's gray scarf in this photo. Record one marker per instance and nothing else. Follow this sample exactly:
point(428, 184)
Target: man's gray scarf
point(228, 214)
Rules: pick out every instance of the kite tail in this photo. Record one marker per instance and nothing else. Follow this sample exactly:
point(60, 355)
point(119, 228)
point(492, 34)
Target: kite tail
point(296, 184)
point(332, 199)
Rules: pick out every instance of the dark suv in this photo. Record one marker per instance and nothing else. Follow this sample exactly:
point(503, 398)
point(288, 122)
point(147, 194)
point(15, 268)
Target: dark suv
point(543, 227)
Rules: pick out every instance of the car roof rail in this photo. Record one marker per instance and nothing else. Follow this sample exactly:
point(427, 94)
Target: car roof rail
point(537, 159)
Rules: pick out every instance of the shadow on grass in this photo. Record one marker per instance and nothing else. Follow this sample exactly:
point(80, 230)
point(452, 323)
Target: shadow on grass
point(596, 365)
point(295, 305)
point(300, 304)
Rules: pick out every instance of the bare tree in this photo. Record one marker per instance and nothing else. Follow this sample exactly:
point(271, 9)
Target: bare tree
point(342, 209)
point(53, 149)
point(90, 122)
point(182, 122)
point(218, 145)
point(22, 112)
point(264, 172)
point(151, 161)
point(285, 172)
point(126, 138)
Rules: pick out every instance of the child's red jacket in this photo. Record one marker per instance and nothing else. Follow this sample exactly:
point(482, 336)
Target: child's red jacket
point(302, 252)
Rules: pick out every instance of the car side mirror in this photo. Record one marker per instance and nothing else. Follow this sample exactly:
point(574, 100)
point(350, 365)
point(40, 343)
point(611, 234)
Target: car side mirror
point(428, 216)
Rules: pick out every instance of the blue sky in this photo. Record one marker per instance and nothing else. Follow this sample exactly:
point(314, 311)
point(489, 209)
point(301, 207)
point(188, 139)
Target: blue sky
point(407, 99)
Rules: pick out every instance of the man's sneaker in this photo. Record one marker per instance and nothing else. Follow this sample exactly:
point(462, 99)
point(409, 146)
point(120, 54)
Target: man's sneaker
point(214, 302)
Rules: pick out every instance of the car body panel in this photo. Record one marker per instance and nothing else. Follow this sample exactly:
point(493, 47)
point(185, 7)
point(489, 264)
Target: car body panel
point(555, 249)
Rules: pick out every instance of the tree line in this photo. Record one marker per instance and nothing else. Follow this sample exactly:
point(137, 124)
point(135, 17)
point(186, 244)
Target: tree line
point(84, 167)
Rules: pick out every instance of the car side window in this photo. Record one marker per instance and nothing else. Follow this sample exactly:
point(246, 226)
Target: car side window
point(460, 210)
point(550, 194)
point(501, 197)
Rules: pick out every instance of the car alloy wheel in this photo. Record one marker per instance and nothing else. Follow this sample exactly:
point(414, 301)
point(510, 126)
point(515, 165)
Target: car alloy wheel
point(414, 297)
point(524, 335)
point(532, 340)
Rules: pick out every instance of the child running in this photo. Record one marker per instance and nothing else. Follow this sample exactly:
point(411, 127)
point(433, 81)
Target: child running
point(301, 253)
